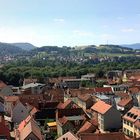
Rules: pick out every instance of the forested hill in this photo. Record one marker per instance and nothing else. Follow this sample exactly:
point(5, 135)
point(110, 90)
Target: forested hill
point(8, 49)
point(11, 49)
point(85, 49)
point(24, 46)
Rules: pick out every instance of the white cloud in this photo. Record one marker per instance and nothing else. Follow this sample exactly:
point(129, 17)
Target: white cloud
point(128, 30)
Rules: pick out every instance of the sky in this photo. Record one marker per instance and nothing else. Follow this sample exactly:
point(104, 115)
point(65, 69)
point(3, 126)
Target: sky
point(70, 22)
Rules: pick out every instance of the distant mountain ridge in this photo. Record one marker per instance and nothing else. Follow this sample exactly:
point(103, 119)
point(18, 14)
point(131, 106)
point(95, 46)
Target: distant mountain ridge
point(24, 46)
point(133, 46)
point(9, 49)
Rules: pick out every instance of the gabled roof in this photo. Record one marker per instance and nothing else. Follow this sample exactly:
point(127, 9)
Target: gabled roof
point(124, 102)
point(101, 107)
point(63, 120)
point(134, 90)
point(133, 114)
point(65, 104)
point(31, 127)
point(84, 97)
point(87, 128)
point(68, 135)
point(27, 127)
point(103, 89)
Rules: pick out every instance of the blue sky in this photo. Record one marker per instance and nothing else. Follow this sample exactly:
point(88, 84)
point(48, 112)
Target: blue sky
point(70, 22)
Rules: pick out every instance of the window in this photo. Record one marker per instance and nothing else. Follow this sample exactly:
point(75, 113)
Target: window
point(131, 133)
point(124, 121)
point(131, 124)
point(124, 129)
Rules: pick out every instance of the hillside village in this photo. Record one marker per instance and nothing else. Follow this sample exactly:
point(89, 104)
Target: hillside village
point(62, 109)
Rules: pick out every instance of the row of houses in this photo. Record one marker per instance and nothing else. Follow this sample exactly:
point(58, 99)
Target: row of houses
point(36, 111)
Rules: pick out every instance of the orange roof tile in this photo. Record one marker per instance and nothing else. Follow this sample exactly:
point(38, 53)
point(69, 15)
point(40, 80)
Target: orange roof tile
point(68, 135)
point(63, 120)
point(31, 127)
point(11, 98)
point(87, 128)
point(101, 107)
point(64, 105)
point(134, 90)
point(103, 89)
point(133, 114)
point(124, 102)
point(84, 97)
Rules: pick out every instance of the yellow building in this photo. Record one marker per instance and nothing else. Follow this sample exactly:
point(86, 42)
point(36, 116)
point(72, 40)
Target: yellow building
point(131, 122)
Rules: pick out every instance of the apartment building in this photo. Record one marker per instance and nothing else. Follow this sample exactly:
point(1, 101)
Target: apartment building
point(131, 122)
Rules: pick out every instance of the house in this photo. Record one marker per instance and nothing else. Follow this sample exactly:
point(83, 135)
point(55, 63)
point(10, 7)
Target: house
point(4, 130)
point(84, 101)
point(67, 105)
point(87, 127)
point(9, 103)
point(5, 90)
point(103, 90)
point(69, 120)
point(103, 112)
point(134, 92)
point(68, 136)
point(125, 104)
point(32, 99)
point(32, 88)
point(131, 122)
point(90, 76)
point(103, 136)
point(28, 130)
point(19, 113)
point(118, 88)
point(74, 83)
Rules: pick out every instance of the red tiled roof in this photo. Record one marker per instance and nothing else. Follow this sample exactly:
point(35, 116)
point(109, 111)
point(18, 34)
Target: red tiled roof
point(84, 97)
point(63, 120)
point(124, 102)
point(103, 89)
point(31, 127)
point(103, 136)
point(101, 107)
point(134, 90)
point(122, 94)
point(68, 135)
point(64, 105)
point(133, 114)
point(23, 123)
point(87, 128)
point(33, 111)
point(28, 126)
point(11, 98)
